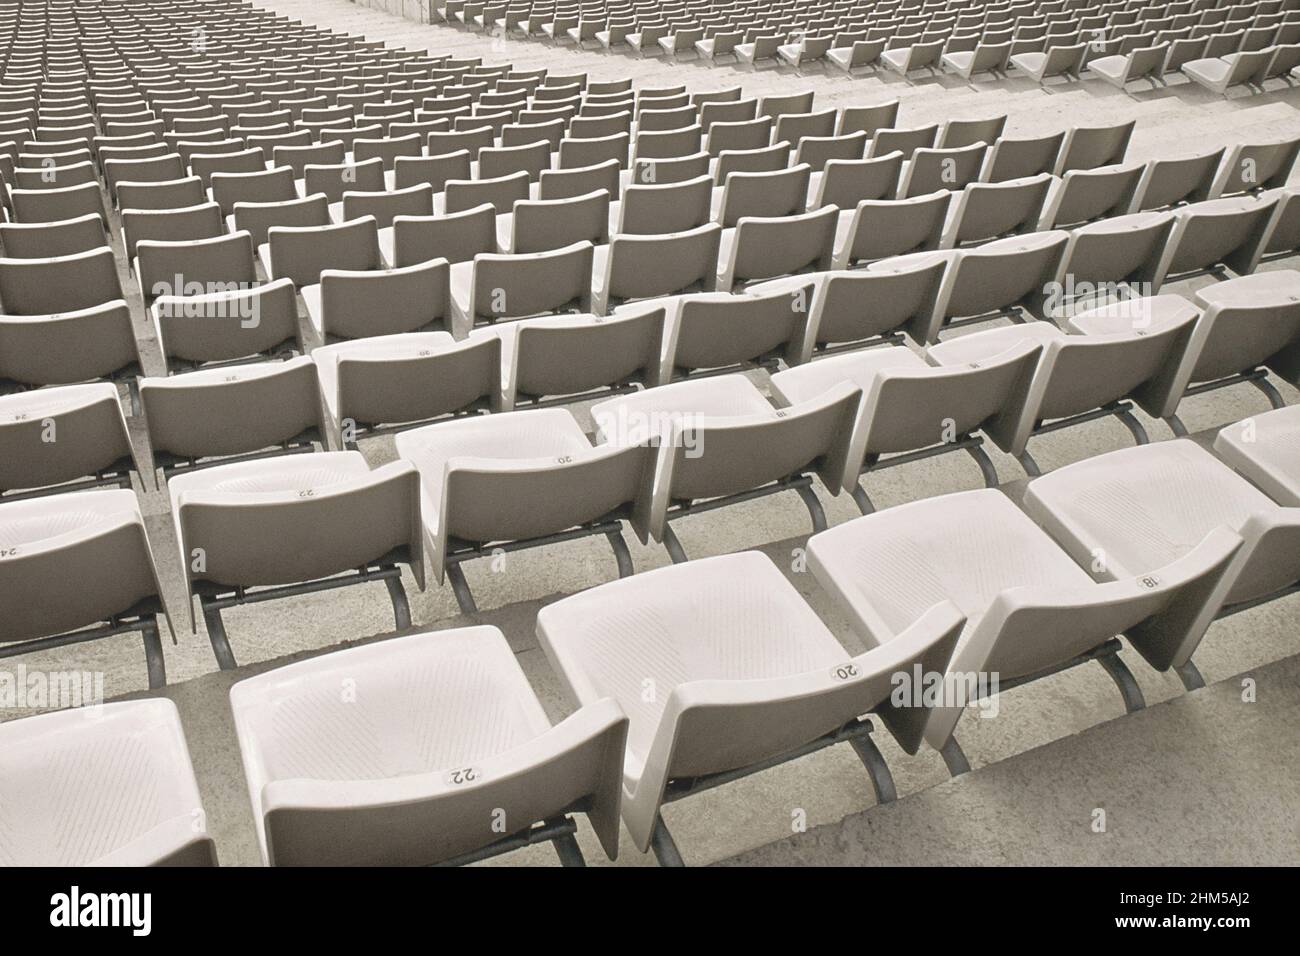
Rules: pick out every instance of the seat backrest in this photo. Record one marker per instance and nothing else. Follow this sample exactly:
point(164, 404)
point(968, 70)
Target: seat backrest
point(231, 411)
point(456, 237)
point(569, 356)
point(274, 185)
point(60, 284)
point(47, 240)
point(1019, 158)
point(675, 207)
point(502, 193)
point(780, 193)
point(1087, 147)
point(540, 225)
point(934, 169)
point(883, 228)
point(302, 253)
point(414, 200)
point(638, 267)
point(357, 304)
point(256, 218)
point(505, 286)
point(222, 326)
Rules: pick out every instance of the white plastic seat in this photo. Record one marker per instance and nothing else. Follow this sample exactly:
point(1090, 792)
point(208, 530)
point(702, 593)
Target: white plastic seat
point(722, 442)
point(387, 380)
point(254, 530)
point(117, 790)
point(444, 755)
point(916, 407)
point(1108, 358)
point(232, 412)
point(744, 675)
point(78, 566)
point(1266, 450)
point(521, 479)
point(1029, 608)
point(64, 438)
point(1131, 512)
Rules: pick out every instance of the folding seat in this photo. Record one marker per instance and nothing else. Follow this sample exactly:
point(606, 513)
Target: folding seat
point(50, 178)
point(1184, 50)
point(156, 169)
point(760, 48)
point(722, 442)
point(48, 240)
point(1251, 167)
point(232, 412)
point(69, 347)
point(1064, 60)
point(958, 133)
point(852, 310)
point(174, 194)
point(817, 151)
point(670, 144)
point(493, 286)
point(273, 185)
point(526, 134)
point(1175, 497)
point(768, 159)
point(1283, 232)
point(1108, 358)
point(861, 53)
point(204, 165)
point(1169, 182)
point(845, 183)
point(1285, 58)
point(1262, 450)
point(1021, 158)
point(1007, 277)
point(1112, 258)
point(720, 44)
point(502, 193)
point(1248, 326)
point(986, 211)
point(1220, 73)
point(435, 171)
point(656, 209)
point(878, 229)
point(783, 104)
point(225, 327)
point(383, 207)
point(917, 407)
point(63, 771)
point(762, 247)
point(335, 180)
point(259, 530)
point(388, 382)
point(456, 237)
point(930, 170)
point(498, 162)
point(363, 303)
point(298, 158)
point(800, 694)
point(201, 221)
point(985, 57)
point(1213, 234)
point(906, 141)
point(542, 225)
point(718, 332)
point(1143, 63)
point(194, 267)
point(598, 127)
point(557, 359)
point(918, 56)
point(60, 284)
point(1087, 147)
point(780, 193)
point(1082, 195)
point(531, 774)
point(1029, 609)
point(648, 266)
point(64, 438)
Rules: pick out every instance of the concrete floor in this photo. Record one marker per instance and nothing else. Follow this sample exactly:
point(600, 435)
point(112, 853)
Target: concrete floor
point(1035, 721)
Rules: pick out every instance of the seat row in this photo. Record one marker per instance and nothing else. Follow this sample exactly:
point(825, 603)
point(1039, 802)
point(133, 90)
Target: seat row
point(967, 588)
